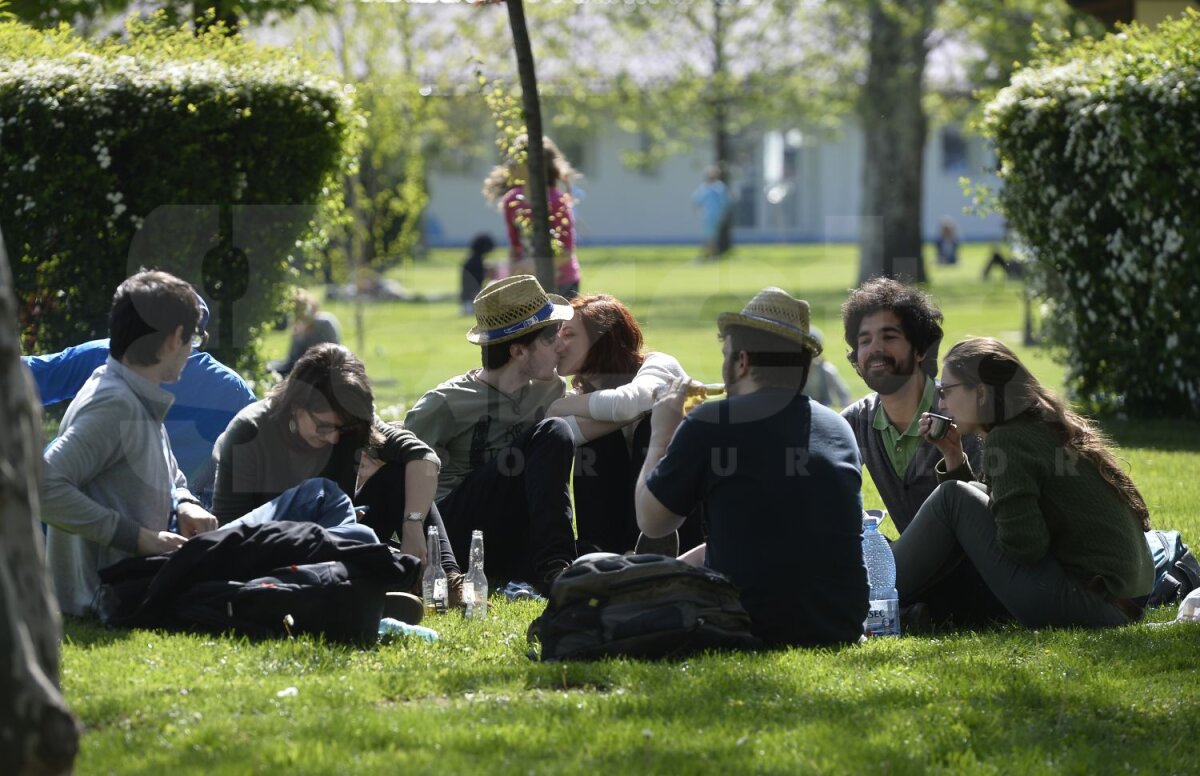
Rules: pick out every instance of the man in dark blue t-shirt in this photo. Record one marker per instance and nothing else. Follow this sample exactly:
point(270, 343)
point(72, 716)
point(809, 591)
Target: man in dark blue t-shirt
point(780, 476)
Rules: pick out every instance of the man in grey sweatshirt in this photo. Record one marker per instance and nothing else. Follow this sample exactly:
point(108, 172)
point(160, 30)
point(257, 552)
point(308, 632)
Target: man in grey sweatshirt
point(111, 482)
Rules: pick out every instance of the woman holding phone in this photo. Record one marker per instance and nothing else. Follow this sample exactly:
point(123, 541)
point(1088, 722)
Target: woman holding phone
point(1053, 524)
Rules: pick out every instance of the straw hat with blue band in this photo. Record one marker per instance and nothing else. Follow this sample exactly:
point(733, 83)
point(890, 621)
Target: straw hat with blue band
point(513, 307)
point(776, 311)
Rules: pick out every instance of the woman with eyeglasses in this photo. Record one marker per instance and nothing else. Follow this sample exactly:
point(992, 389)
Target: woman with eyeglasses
point(1053, 524)
point(320, 422)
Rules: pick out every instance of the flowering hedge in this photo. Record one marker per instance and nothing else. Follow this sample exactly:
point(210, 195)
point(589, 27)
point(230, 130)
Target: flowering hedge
point(1100, 157)
point(203, 155)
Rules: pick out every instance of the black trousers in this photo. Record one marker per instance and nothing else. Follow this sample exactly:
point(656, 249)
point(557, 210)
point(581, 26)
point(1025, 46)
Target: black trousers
point(384, 494)
point(521, 502)
point(605, 480)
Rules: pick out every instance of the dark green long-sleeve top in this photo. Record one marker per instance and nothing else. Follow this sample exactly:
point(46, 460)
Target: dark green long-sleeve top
point(1047, 499)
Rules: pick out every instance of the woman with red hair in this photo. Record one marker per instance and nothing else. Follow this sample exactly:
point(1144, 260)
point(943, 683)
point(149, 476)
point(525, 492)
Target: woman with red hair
point(615, 382)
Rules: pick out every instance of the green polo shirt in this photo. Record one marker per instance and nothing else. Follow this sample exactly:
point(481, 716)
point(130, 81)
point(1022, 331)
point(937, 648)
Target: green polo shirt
point(902, 447)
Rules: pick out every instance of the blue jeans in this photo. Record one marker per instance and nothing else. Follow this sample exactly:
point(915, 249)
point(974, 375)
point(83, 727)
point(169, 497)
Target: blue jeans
point(319, 501)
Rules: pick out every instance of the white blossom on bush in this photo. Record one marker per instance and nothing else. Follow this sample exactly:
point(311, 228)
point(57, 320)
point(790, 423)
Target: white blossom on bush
point(1098, 150)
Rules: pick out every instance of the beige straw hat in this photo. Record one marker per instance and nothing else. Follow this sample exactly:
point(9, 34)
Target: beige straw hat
point(776, 311)
point(513, 307)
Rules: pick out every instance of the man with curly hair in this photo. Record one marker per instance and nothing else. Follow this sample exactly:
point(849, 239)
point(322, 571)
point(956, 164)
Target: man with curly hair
point(893, 331)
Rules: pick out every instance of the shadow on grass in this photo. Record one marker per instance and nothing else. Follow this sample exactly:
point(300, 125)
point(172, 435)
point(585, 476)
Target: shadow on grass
point(87, 632)
point(1157, 434)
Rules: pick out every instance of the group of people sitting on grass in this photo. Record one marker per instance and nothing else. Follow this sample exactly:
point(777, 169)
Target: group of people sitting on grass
point(1020, 511)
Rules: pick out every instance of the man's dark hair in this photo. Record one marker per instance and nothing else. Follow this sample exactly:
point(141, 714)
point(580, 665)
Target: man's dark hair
point(775, 362)
point(147, 308)
point(497, 355)
point(329, 377)
point(920, 319)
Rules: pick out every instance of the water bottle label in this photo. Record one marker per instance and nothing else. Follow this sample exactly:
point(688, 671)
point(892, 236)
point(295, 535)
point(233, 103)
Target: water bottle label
point(468, 595)
point(883, 617)
point(439, 591)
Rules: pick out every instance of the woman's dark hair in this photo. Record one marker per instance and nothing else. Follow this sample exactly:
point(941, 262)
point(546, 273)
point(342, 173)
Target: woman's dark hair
point(614, 343)
point(775, 361)
point(919, 317)
point(558, 169)
point(147, 308)
point(329, 377)
point(1011, 392)
point(497, 355)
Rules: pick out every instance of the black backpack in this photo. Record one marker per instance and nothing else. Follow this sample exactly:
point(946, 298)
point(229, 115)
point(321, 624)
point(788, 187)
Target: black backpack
point(1176, 570)
point(647, 606)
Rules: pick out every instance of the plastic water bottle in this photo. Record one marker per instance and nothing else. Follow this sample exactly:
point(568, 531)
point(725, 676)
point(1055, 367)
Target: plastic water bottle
point(389, 627)
point(434, 585)
point(883, 611)
point(475, 586)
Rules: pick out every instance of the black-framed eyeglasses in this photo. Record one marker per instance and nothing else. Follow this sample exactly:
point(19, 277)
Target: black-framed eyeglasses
point(941, 391)
point(322, 428)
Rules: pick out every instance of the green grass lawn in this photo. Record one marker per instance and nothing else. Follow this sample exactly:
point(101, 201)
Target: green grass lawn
point(1009, 701)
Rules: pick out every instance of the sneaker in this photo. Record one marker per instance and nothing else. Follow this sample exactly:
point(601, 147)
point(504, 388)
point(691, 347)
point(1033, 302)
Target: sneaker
point(404, 607)
point(665, 545)
point(550, 572)
point(917, 620)
point(520, 591)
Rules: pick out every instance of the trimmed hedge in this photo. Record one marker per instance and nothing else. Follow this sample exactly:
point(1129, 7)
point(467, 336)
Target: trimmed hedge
point(203, 155)
point(1099, 152)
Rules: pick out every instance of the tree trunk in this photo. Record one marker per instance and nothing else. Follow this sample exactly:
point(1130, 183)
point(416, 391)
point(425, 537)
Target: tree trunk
point(543, 255)
point(894, 125)
point(721, 126)
point(37, 732)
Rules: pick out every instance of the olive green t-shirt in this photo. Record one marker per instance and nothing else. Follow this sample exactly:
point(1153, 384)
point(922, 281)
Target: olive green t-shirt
point(467, 422)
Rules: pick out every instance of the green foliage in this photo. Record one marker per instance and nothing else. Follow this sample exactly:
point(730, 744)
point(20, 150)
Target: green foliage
point(407, 124)
point(1100, 159)
point(720, 68)
point(49, 13)
point(992, 40)
point(200, 154)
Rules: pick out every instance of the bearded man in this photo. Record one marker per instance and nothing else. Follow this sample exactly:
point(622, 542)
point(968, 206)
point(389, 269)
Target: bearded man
point(893, 331)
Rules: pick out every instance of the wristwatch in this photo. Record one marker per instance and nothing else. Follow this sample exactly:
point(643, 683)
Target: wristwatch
point(414, 517)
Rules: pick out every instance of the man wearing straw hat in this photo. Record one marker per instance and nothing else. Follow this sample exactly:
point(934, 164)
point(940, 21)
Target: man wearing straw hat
point(779, 474)
point(505, 465)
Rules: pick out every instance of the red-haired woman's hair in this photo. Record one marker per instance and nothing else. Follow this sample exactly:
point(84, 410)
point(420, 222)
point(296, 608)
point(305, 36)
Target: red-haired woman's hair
point(614, 343)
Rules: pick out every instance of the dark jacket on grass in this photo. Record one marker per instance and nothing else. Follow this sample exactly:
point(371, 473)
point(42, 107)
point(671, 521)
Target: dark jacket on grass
point(247, 578)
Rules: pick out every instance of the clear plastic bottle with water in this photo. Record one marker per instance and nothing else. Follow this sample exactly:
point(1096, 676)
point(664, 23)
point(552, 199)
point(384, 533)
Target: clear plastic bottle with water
point(475, 586)
point(434, 585)
point(883, 612)
point(390, 628)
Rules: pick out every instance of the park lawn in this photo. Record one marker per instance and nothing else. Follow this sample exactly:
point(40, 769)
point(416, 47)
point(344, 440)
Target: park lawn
point(1000, 701)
